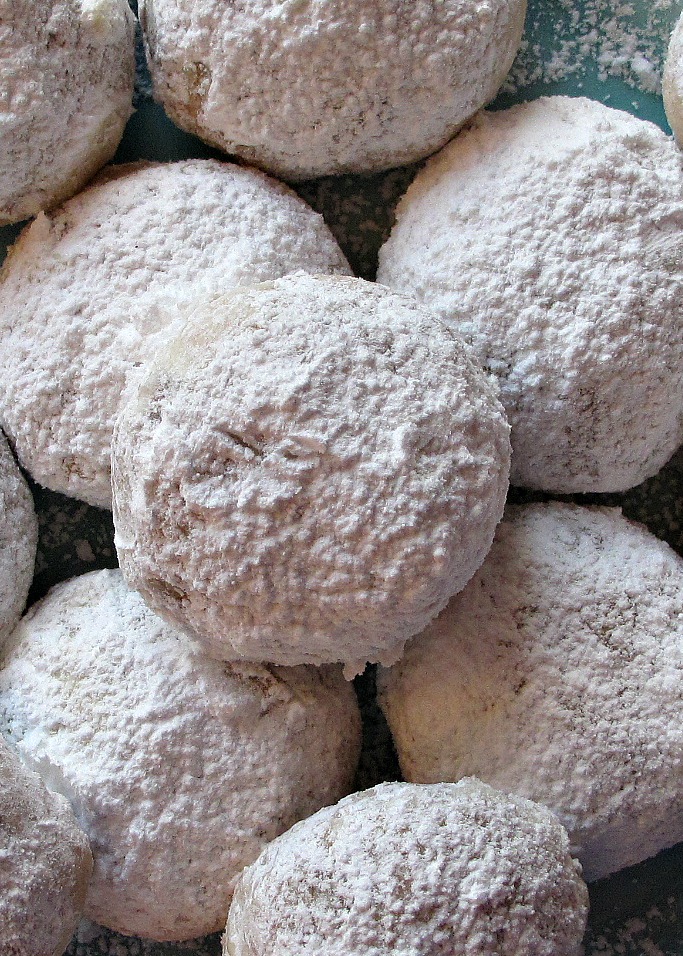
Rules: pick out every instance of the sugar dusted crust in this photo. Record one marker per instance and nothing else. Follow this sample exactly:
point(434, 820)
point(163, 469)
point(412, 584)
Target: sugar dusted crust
point(672, 82)
point(448, 868)
point(45, 864)
point(307, 89)
point(66, 93)
point(180, 769)
point(18, 541)
point(307, 472)
point(557, 674)
point(550, 236)
point(89, 289)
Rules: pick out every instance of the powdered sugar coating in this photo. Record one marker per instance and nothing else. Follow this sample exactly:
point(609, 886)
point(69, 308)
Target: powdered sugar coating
point(551, 236)
point(307, 89)
point(672, 82)
point(557, 674)
point(180, 769)
point(66, 92)
point(88, 290)
point(45, 864)
point(307, 473)
point(18, 541)
point(449, 868)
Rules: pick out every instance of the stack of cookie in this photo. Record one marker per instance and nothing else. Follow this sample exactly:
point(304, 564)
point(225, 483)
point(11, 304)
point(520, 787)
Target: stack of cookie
point(307, 471)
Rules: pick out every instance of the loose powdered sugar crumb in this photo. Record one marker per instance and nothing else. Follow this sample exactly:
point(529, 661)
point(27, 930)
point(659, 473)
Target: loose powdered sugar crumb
point(624, 40)
point(655, 931)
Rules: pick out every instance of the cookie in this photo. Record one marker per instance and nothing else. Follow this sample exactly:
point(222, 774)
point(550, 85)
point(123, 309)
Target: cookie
point(18, 541)
point(550, 236)
point(89, 289)
point(179, 769)
point(307, 472)
point(557, 675)
point(449, 868)
point(672, 81)
point(309, 89)
point(45, 863)
point(66, 92)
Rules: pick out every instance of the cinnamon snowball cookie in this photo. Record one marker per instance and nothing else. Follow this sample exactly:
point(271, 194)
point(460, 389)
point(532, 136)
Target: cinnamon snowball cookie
point(67, 69)
point(672, 82)
point(307, 89)
point(89, 289)
point(557, 674)
point(45, 864)
point(551, 236)
point(307, 472)
point(18, 541)
point(449, 868)
point(179, 769)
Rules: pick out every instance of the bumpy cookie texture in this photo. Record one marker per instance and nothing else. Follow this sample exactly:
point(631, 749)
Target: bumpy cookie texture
point(45, 864)
point(67, 69)
point(557, 674)
point(18, 541)
point(420, 870)
point(307, 472)
point(89, 288)
point(179, 769)
point(551, 236)
point(306, 89)
point(672, 82)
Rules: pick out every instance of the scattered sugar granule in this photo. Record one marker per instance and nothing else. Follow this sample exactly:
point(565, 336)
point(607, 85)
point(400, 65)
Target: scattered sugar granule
point(624, 40)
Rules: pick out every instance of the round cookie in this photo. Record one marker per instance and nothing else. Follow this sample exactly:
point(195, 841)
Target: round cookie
point(551, 236)
point(67, 69)
point(449, 868)
point(557, 674)
point(672, 82)
point(18, 541)
point(179, 769)
point(45, 863)
point(89, 289)
point(307, 472)
point(309, 89)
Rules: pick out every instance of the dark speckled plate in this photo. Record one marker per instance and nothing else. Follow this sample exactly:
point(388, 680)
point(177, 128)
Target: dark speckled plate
point(610, 51)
